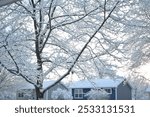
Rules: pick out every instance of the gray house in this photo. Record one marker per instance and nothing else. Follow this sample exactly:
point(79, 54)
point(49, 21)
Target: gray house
point(27, 92)
point(118, 89)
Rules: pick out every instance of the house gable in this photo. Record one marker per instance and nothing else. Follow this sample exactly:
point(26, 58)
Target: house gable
point(48, 93)
point(124, 91)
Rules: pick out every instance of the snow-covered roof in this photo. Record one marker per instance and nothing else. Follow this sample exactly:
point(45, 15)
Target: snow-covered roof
point(5, 2)
point(148, 90)
point(46, 83)
point(96, 83)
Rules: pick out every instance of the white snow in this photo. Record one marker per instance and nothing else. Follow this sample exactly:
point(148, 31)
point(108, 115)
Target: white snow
point(96, 83)
point(97, 95)
point(46, 83)
point(61, 94)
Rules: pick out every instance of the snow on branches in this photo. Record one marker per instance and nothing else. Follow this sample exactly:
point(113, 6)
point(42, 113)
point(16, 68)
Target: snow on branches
point(61, 94)
point(97, 94)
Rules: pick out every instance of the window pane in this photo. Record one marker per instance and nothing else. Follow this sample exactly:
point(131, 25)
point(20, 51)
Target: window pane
point(78, 93)
point(80, 90)
point(20, 95)
point(75, 91)
point(108, 90)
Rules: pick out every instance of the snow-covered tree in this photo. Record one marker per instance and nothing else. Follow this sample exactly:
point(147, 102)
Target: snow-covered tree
point(97, 94)
point(61, 94)
point(139, 84)
point(137, 24)
point(51, 38)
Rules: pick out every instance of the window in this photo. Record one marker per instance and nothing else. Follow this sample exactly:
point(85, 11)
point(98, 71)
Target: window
point(20, 95)
point(109, 91)
point(78, 93)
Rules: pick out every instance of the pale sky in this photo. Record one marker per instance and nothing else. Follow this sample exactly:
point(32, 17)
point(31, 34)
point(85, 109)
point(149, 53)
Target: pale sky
point(145, 70)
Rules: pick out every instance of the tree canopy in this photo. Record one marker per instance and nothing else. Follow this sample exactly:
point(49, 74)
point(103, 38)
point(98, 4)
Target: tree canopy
point(42, 39)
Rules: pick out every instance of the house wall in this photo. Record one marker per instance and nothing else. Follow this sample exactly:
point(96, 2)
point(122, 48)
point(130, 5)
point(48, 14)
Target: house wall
point(27, 94)
point(149, 96)
point(124, 92)
point(85, 90)
point(112, 96)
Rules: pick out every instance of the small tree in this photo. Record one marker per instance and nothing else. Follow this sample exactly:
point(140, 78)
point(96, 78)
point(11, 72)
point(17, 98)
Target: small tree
point(61, 94)
point(96, 94)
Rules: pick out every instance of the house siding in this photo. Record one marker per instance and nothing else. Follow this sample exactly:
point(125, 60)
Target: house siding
point(124, 92)
point(112, 96)
point(85, 91)
point(149, 96)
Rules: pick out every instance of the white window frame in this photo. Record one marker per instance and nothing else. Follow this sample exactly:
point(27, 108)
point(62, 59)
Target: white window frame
point(77, 93)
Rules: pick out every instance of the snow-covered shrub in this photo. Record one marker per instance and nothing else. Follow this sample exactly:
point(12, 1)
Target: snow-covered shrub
point(61, 94)
point(97, 94)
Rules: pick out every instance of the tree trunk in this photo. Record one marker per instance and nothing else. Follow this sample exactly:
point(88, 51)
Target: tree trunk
point(39, 93)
